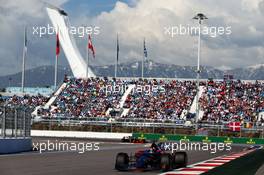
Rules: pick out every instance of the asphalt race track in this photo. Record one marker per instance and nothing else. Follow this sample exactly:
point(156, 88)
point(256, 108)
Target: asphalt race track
point(89, 163)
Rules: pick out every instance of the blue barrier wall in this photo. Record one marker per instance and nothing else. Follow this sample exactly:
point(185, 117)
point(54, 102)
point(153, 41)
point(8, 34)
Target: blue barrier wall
point(15, 145)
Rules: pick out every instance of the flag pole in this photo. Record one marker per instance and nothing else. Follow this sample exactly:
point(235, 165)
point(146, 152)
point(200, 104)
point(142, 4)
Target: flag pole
point(117, 50)
point(56, 59)
point(87, 65)
point(23, 60)
point(142, 65)
point(56, 72)
point(115, 68)
point(89, 46)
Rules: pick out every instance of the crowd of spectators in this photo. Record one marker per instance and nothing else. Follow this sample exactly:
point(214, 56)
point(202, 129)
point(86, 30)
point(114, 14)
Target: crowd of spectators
point(150, 99)
point(232, 101)
point(223, 101)
point(26, 100)
point(164, 102)
point(86, 98)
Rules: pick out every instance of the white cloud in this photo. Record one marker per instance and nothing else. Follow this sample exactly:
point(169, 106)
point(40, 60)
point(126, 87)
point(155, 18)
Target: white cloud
point(250, 5)
point(14, 15)
point(147, 18)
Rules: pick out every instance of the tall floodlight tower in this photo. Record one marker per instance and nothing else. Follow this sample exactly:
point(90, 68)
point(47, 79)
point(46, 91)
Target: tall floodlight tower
point(23, 60)
point(200, 17)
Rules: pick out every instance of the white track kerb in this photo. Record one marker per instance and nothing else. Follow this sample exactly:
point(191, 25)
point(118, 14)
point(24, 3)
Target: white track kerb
point(204, 166)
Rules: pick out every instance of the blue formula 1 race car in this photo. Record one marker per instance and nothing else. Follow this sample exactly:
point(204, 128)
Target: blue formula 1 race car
point(153, 158)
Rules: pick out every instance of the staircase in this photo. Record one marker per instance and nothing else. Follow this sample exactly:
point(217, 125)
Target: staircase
point(51, 100)
point(193, 106)
point(128, 91)
point(123, 100)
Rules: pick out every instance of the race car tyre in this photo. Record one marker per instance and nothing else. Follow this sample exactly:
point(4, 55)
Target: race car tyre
point(122, 162)
point(165, 162)
point(180, 159)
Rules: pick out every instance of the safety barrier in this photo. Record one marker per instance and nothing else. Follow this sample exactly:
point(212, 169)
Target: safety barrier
point(171, 137)
point(78, 134)
point(15, 145)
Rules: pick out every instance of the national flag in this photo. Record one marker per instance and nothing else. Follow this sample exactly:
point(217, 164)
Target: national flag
point(145, 49)
point(234, 126)
point(57, 44)
point(90, 45)
point(25, 39)
point(117, 49)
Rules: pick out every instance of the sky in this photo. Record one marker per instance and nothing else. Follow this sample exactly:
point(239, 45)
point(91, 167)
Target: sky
point(134, 20)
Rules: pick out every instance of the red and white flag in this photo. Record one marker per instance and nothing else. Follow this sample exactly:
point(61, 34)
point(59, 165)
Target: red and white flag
point(234, 126)
point(57, 44)
point(90, 45)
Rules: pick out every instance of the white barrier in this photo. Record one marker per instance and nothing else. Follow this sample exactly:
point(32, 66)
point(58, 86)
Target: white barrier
point(78, 134)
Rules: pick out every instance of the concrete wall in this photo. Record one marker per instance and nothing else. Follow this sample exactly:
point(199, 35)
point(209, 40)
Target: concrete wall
point(12, 145)
point(79, 134)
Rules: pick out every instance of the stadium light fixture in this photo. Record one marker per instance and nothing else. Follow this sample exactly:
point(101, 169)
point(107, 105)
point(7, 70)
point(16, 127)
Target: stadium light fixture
point(200, 17)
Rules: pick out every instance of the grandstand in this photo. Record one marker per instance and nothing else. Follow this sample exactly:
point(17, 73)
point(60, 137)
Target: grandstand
point(26, 100)
point(153, 99)
point(232, 101)
point(172, 100)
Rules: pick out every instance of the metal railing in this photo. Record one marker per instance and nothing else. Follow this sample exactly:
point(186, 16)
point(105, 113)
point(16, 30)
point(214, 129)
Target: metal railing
point(15, 122)
point(147, 123)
